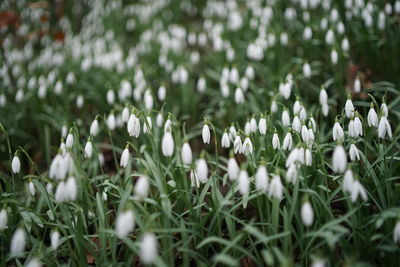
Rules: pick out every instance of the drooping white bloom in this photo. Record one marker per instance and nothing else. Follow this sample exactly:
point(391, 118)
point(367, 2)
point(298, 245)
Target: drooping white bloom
point(54, 239)
point(34, 262)
point(274, 106)
point(124, 158)
point(243, 182)
point(3, 219)
point(32, 188)
point(70, 140)
point(307, 70)
point(396, 233)
point(247, 129)
point(167, 144)
point(111, 122)
point(58, 168)
point(61, 195)
point(304, 133)
point(148, 100)
point(237, 145)
point(125, 223)
point(307, 214)
point(186, 154)
point(233, 169)
point(88, 149)
point(201, 85)
point(232, 132)
point(275, 141)
point(262, 178)
point(337, 132)
point(354, 153)
point(159, 120)
point(162, 93)
point(262, 126)
point(225, 142)
point(358, 190)
point(148, 248)
point(351, 130)
point(308, 157)
point(287, 142)
point(253, 125)
point(296, 124)
point(133, 126)
point(339, 159)
point(323, 97)
point(94, 128)
point(285, 118)
point(247, 146)
point(71, 189)
point(372, 117)
point(276, 187)
point(357, 85)
point(292, 173)
point(194, 181)
point(142, 187)
point(125, 114)
point(384, 110)
point(239, 97)
point(206, 134)
point(147, 125)
point(18, 241)
point(201, 170)
point(358, 129)
point(384, 128)
point(110, 97)
point(348, 180)
point(349, 108)
point(15, 165)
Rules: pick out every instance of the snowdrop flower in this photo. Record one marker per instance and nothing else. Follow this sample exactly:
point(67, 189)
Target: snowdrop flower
point(358, 129)
point(348, 180)
point(357, 85)
point(3, 219)
point(70, 140)
point(275, 141)
point(111, 122)
point(49, 188)
point(237, 145)
point(249, 72)
point(233, 169)
point(307, 70)
point(206, 134)
point(232, 132)
point(247, 129)
point(396, 233)
point(308, 157)
point(32, 189)
point(358, 190)
point(225, 142)
point(334, 57)
point(54, 239)
point(201, 85)
point(194, 181)
point(296, 124)
point(354, 153)
point(186, 154)
point(304, 133)
point(94, 128)
point(307, 213)
point(243, 182)
point(262, 178)
point(61, 195)
point(384, 128)
point(339, 159)
point(253, 125)
point(351, 128)
point(262, 125)
point(276, 188)
point(125, 114)
point(15, 164)
point(34, 262)
point(88, 149)
point(274, 106)
point(247, 146)
point(372, 117)
point(159, 120)
point(288, 141)
point(337, 132)
point(71, 189)
point(292, 173)
point(239, 97)
point(124, 158)
point(323, 97)
point(148, 100)
point(201, 170)
point(142, 187)
point(58, 167)
point(285, 118)
point(167, 144)
point(148, 248)
point(133, 126)
point(349, 107)
point(147, 125)
point(125, 223)
point(18, 241)
point(285, 89)
point(384, 109)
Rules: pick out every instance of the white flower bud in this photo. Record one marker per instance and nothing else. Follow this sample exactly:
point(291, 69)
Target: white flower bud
point(54, 239)
point(262, 126)
point(233, 169)
point(133, 126)
point(15, 165)
point(70, 140)
point(384, 128)
point(262, 178)
point(3, 219)
point(243, 182)
point(337, 132)
point(247, 146)
point(285, 118)
point(307, 214)
point(142, 187)
point(296, 124)
point(186, 154)
point(124, 158)
point(167, 144)
point(396, 231)
point(237, 145)
point(275, 141)
point(287, 142)
point(349, 108)
point(358, 190)
point(339, 159)
point(201, 170)
point(110, 97)
point(148, 248)
point(94, 128)
point(372, 117)
point(111, 122)
point(32, 189)
point(18, 241)
point(354, 153)
point(276, 187)
point(125, 223)
point(239, 97)
point(125, 115)
point(225, 142)
point(206, 134)
point(88, 149)
point(71, 189)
